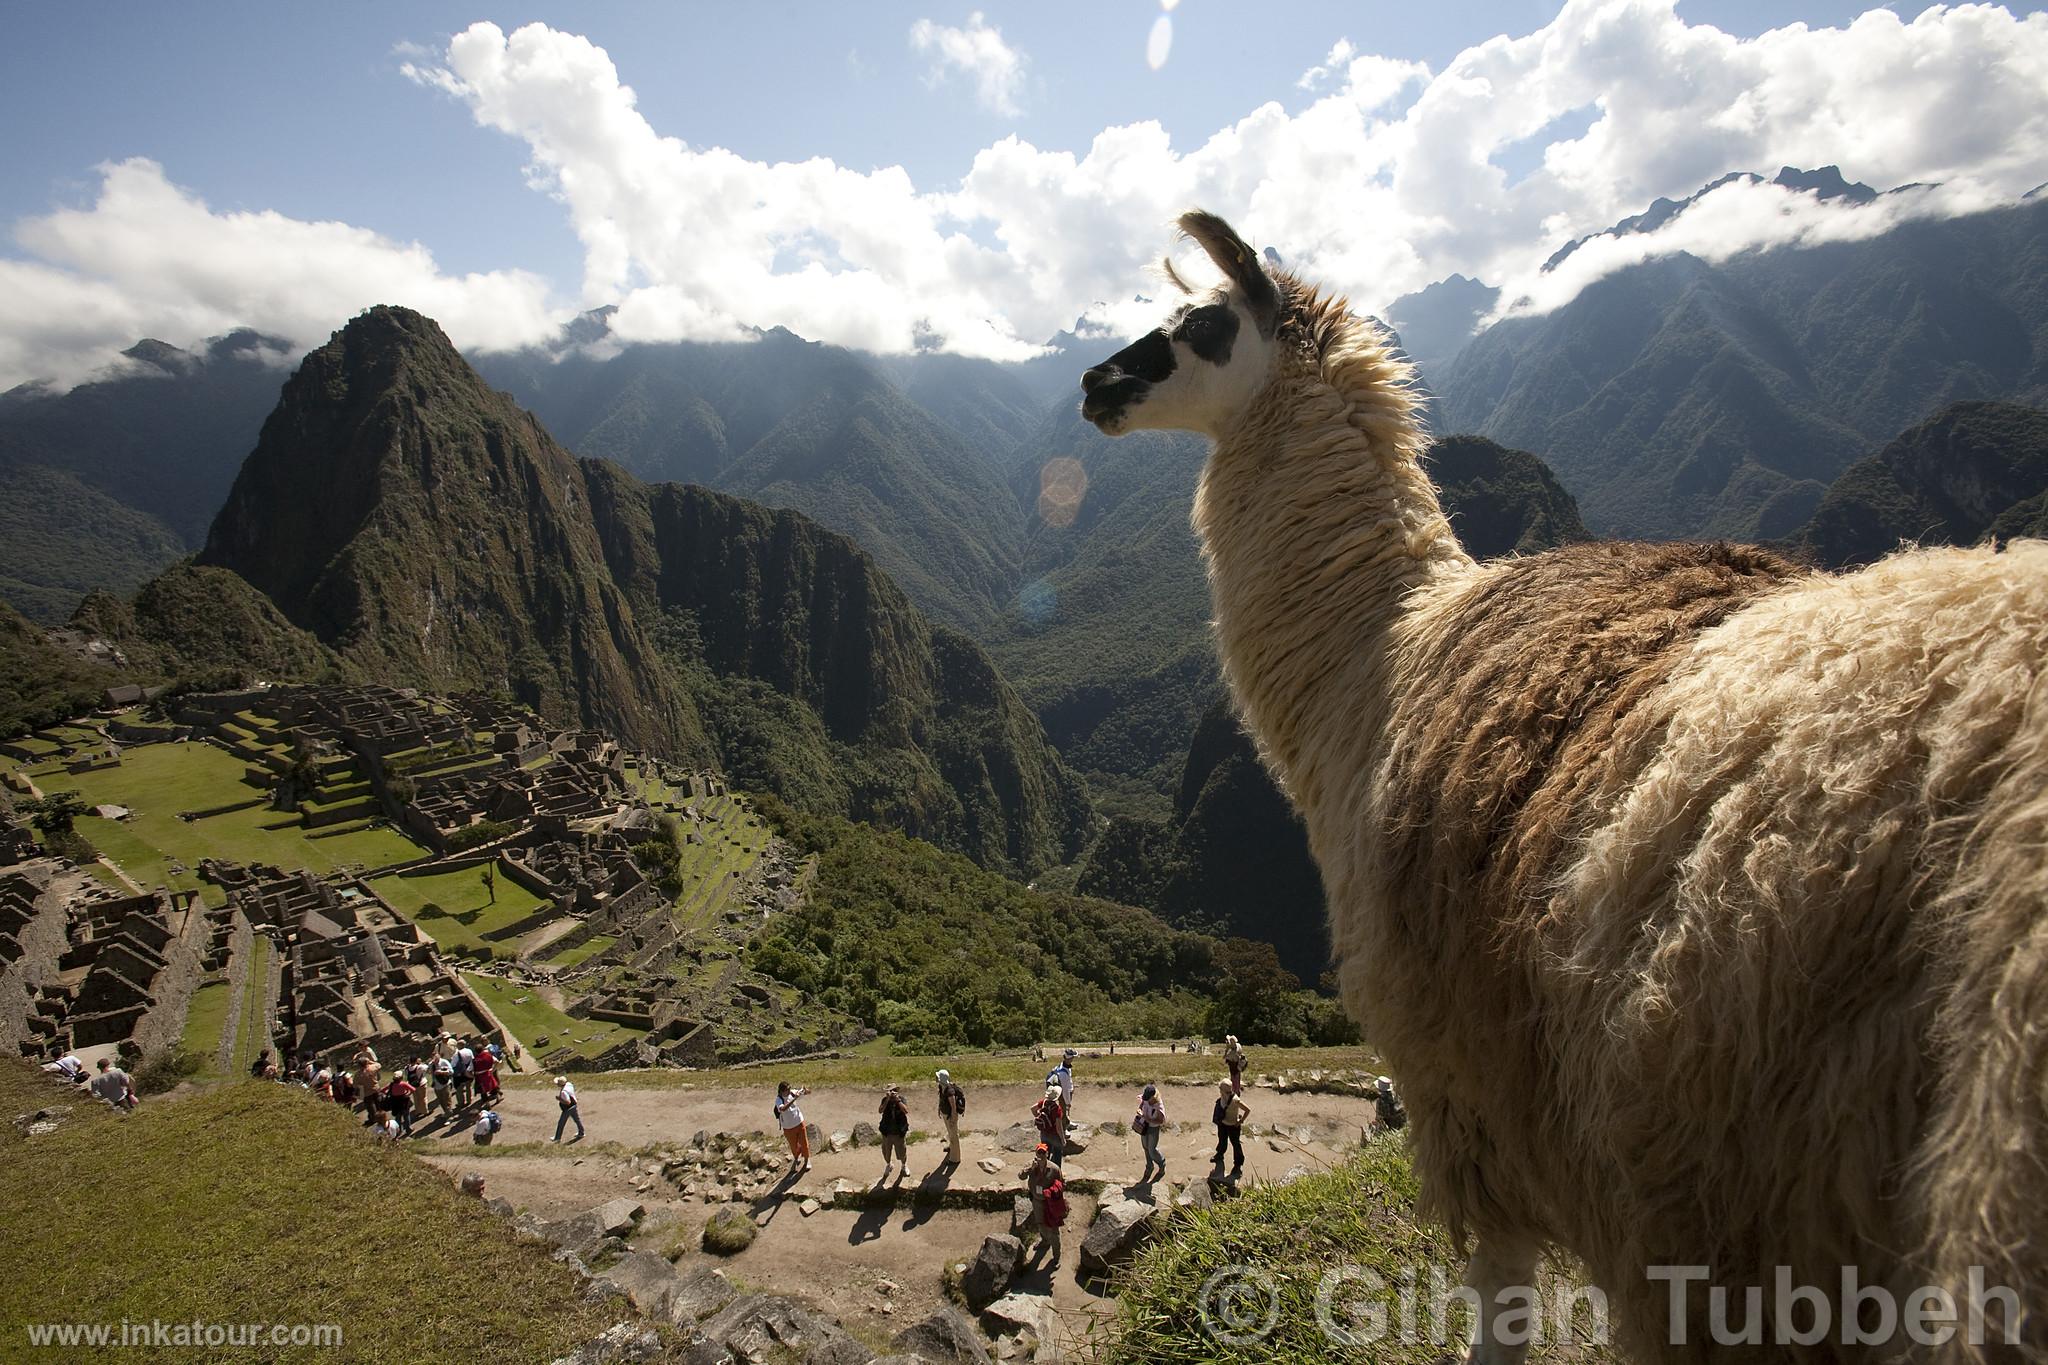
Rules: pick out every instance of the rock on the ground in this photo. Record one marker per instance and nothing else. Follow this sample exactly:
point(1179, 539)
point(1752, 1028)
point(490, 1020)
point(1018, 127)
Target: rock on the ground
point(947, 1336)
point(990, 1164)
point(771, 1327)
point(617, 1216)
point(1024, 1316)
point(1018, 1137)
point(865, 1134)
point(840, 1141)
point(625, 1343)
point(699, 1294)
point(809, 1207)
point(988, 1274)
point(1021, 1214)
point(1121, 1227)
point(1078, 1138)
point(1196, 1195)
point(648, 1280)
point(1292, 1174)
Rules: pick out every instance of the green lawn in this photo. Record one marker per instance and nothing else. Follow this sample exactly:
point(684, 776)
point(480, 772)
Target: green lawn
point(156, 781)
point(205, 1020)
point(535, 1017)
point(252, 1033)
point(582, 952)
point(466, 910)
point(247, 1204)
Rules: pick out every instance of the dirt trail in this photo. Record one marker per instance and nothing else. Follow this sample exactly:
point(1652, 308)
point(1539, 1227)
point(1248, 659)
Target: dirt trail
point(839, 1258)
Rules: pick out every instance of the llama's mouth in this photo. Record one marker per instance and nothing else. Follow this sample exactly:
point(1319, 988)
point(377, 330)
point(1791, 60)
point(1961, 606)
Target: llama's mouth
point(1107, 404)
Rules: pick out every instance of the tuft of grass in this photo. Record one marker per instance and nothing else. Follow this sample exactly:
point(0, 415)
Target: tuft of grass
point(253, 1203)
point(729, 1232)
point(1239, 1284)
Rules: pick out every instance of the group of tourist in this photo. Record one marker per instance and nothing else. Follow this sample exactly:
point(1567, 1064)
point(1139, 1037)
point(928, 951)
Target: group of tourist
point(453, 1080)
point(109, 1083)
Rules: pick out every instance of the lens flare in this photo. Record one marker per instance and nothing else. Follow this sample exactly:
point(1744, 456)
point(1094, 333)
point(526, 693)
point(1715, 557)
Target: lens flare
point(1062, 484)
point(1159, 43)
point(1037, 601)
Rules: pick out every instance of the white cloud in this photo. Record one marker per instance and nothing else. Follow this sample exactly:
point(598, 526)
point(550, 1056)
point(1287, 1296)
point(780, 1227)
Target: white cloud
point(976, 51)
point(147, 258)
point(1389, 179)
point(1339, 58)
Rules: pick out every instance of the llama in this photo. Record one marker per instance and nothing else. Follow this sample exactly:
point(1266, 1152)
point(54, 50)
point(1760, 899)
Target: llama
point(1700, 901)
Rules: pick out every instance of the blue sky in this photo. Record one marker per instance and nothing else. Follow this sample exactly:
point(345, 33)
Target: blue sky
point(307, 114)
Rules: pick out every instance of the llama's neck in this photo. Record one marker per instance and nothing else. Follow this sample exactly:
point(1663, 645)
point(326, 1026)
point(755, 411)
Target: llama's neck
point(1319, 525)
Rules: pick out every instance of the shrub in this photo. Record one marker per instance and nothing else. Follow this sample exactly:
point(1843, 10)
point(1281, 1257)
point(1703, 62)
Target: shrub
point(164, 1070)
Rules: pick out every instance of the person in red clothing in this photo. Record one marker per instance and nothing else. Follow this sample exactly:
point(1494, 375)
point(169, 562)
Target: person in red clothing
point(398, 1102)
point(486, 1072)
point(1050, 1114)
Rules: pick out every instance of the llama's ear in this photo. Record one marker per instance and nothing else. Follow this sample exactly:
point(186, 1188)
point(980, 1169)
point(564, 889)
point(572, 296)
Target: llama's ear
point(1239, 263)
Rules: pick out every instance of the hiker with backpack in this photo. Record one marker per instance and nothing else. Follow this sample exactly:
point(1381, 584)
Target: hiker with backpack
point(565, 1100)
point(895, 1128)
point(791, 1120)
point(1149, 1121)
point(1050, 1115)
point(1063, 1077)
point(398, 1102)
point(1046, 1186)
point(444, 1083)
point(465, 1074)
point(487, 1125)
point(952, 1104)
point(1231, 1112)
point(1233, 1057)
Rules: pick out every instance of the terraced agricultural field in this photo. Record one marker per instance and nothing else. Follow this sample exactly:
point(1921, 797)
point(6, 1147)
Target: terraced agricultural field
point(521, 1009)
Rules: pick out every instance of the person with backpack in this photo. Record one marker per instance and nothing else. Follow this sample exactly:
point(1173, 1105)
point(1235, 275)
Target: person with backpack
point(791, 1120)
point(565, 1100)
point(1148, 1123)
point(465, 1075)
point(487, 1125)
point(444, 1083)
point(1045, 1184)
point(1063, 1077)
point(345, 1090)
point(398, 1102)
point(952, 1104)
point(895, 1128)
point(1051, 1117)
point(485, 1073)
point(1233, 1057)
point(1231, 1111)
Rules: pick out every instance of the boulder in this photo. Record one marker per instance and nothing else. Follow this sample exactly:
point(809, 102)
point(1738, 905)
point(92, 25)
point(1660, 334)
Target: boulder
point(648, 1280)
point(865, 1134)
point(947, 1337)
point(840, 1141)
point(990, 1164)
point(617, 1216)
point(626, 1343)
point(581, 1233)
point(1078, 1138)
point(1292, 1174)
point(1195, 1195)
point(1018, 1137)
point(771, 1327)
point(1015, 1315)
point(1120, 1227)
point(699, 1294)
point(1021, 1214)
point(988, 1273)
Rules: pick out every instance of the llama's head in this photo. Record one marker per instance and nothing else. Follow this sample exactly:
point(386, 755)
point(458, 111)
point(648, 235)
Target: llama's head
point(1214, 354)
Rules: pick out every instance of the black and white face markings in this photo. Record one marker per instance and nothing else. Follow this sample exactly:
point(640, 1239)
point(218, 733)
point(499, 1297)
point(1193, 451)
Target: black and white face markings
point(1123, 380)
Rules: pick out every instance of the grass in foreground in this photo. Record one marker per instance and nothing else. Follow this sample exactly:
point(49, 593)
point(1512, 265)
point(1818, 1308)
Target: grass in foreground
point(1239, 1284)
point(252, 1203)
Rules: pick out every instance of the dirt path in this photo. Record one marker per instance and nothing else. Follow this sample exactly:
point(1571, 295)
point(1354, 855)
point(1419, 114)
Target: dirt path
point(842, 1259)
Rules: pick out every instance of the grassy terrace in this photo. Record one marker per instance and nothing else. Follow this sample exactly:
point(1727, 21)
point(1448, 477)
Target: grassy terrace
point(239, 1221)
point(529, 1017)
point(206, 1019)
point(582, 952)
point(156, 781)
point(466, 912)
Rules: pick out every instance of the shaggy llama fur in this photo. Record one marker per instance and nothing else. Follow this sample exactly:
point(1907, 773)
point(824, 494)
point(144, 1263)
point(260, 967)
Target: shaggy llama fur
point(1699, 901)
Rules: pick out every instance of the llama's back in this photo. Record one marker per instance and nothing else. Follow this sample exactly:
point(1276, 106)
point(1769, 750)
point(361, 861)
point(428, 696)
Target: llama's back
point(1749, 884)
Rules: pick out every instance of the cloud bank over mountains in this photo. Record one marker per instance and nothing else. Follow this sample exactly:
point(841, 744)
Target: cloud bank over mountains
point(1385, 176)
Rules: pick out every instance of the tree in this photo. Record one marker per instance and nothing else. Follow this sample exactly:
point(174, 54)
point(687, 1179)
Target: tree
point(1256, 998)
point(55, 813)
point(491, 881)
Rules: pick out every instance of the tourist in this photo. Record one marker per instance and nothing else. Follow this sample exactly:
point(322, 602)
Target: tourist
point(113, 1085)
point(791, 1120)
point(486, 1070)
point(308, 1069)
point(345, 1090)
point(418, 1073)
point(323, 1084)
point(1231, 1111)
point(398, 1100)
point(895, 1128)
point(565, 1100)
point(386, 1127)
point(369, 1085)
point(1051, 1117)
point(66, 1068)
point(1389, 1115)
point(1063, 1076)
point(444, 1082)
point(952, 1105)
point(444, 1045)
point(487, 1125)
point(465, 1074)
point(1233, 1057)
point(1148, 1123)
point(1043, 1173)
point(262, 1068)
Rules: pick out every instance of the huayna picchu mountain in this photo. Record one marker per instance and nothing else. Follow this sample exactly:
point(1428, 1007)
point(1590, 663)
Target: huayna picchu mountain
point(430, 532)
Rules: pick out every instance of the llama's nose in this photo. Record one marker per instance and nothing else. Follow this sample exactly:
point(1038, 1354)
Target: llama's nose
point(1091, 380)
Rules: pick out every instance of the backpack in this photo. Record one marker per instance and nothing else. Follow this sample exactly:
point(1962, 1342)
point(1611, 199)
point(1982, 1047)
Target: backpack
point(959, 1098)
point(490, 1116)
point(1055, 1204)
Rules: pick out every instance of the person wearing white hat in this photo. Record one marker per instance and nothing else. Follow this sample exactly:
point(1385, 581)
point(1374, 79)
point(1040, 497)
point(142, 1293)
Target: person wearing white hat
point(1388, 1112)
point(952, 1104)
point(565, 1100)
